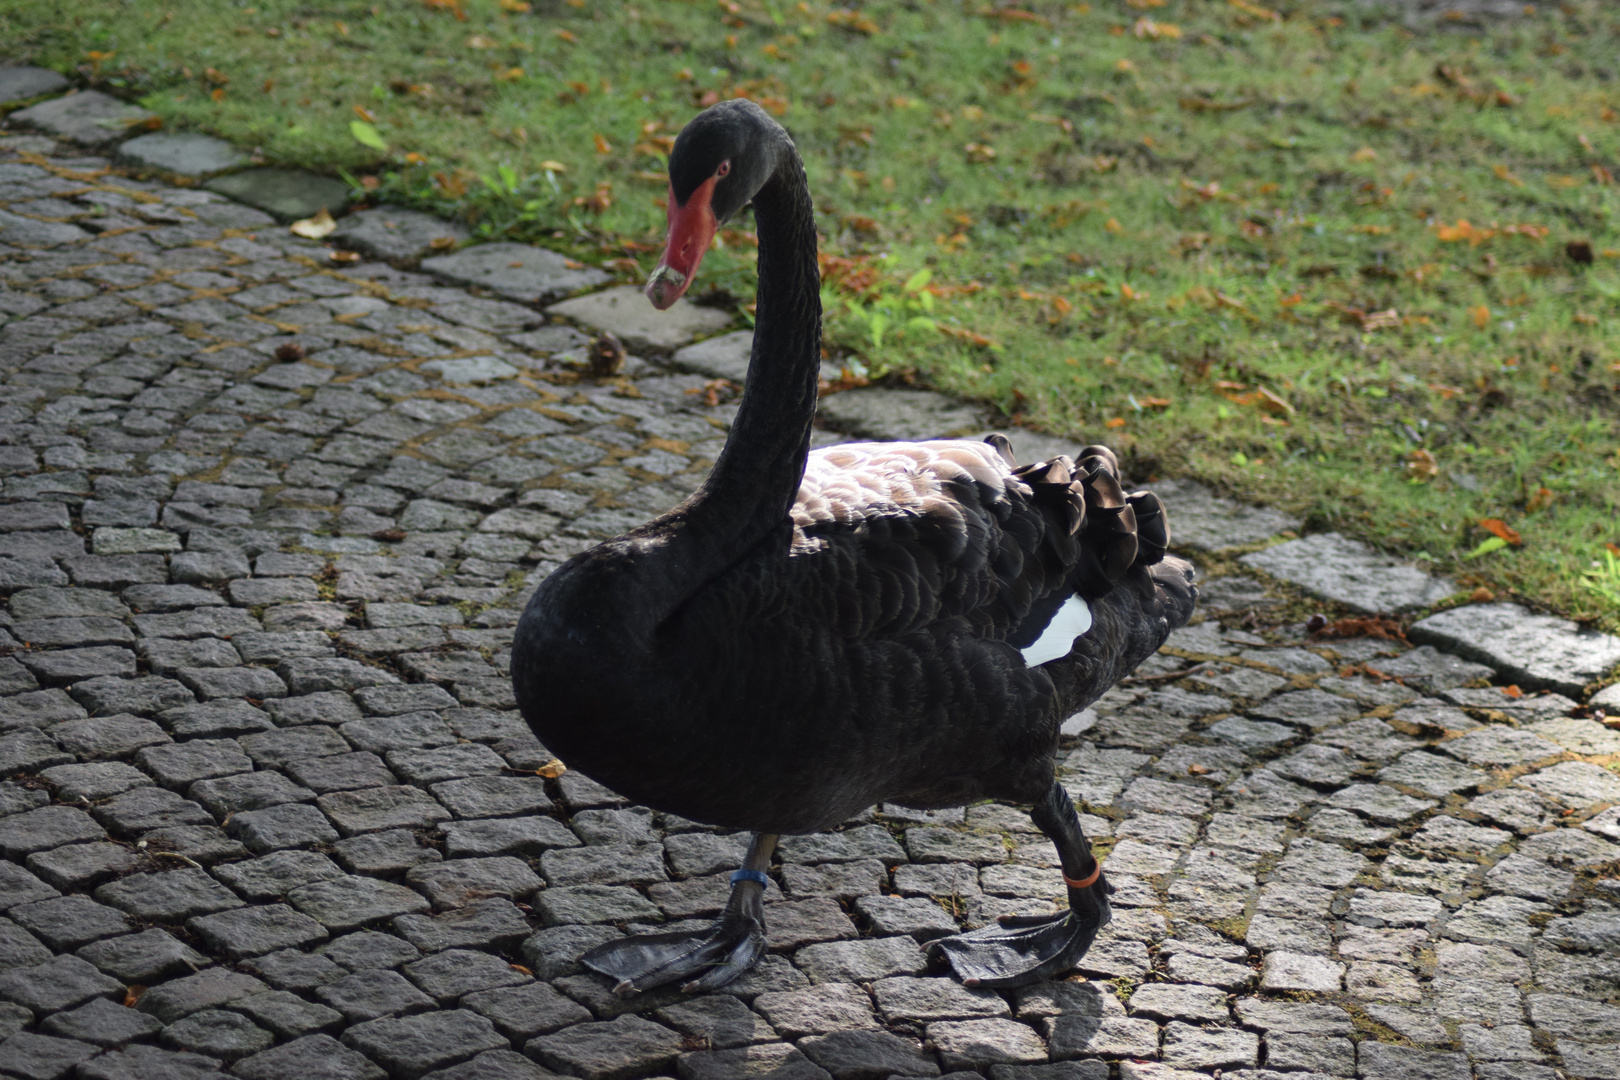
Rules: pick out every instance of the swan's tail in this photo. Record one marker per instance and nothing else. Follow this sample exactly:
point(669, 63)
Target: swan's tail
point(1131, 593)
point(1117, 532)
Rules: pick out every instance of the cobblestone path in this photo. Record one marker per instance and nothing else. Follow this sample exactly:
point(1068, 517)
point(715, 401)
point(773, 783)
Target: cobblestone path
point(268, 807)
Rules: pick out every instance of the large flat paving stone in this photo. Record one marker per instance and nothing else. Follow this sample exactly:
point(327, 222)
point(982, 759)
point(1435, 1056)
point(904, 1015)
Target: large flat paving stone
point(184, 154)
point(723, 357)
point(1203, 521)
point(89, 118)
point(1347, 571)
point(19, 83)
point(288, 194)
point(518, 271)
point(625, 312)
point(397, 235)
point(727, 357)
point(1540, 652)
point(892, 413)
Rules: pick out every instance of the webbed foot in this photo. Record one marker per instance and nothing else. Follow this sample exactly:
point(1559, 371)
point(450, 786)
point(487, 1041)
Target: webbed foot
point(1024, 949)
point(700, 959)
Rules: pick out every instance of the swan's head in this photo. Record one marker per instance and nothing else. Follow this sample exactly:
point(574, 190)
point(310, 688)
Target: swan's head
point(720, 160)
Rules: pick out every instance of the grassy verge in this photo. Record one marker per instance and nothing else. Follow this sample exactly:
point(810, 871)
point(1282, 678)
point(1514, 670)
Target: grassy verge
point(1308, 255)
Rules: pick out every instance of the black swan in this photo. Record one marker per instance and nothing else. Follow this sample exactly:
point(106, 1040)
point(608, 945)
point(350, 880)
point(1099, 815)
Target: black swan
point(811, 634)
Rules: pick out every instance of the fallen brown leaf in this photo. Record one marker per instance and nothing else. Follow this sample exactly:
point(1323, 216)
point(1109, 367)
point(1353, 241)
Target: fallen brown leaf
point(314, 228)
point(1421, 465)
point(1373, 626)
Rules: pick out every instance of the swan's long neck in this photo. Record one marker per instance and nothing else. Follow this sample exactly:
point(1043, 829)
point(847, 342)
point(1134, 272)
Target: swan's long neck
point(753, 484)
point(757, 475)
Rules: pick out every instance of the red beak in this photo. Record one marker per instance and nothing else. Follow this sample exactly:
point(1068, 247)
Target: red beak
point(691, 230)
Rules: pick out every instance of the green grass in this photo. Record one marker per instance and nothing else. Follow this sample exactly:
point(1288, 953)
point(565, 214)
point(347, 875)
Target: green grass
point(1172, 227)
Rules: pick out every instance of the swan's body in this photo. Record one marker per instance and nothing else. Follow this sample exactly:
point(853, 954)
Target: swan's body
point(868, 650)
point(813, 633)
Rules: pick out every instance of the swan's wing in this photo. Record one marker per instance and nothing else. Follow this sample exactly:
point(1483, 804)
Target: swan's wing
point(890, 641)
point(894, 537)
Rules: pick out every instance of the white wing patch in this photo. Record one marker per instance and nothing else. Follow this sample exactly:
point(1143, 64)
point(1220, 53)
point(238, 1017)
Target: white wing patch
point(1071, 620)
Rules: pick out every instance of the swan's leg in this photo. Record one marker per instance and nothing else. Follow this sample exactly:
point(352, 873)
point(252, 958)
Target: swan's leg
point(1025, 949)
point(704, 959)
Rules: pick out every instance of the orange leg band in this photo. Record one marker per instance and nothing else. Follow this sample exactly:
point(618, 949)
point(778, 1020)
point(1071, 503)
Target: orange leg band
point(1089, 880)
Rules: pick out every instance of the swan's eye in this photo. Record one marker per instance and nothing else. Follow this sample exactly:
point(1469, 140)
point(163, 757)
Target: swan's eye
point(725, 167)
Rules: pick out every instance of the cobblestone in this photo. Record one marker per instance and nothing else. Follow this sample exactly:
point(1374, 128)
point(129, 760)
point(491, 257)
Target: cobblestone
point(264, 706)
point(102, 1022)
point(620, 1048)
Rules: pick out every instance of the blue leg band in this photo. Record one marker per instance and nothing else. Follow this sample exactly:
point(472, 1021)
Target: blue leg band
point(750, 875)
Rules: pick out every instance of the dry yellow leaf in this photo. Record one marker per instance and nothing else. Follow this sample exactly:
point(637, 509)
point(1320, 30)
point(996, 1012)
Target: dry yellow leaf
point(1148, 30)
point(1255, 10)
point(314, 228)
point(552, 769)
point(1273, 403)
point(1422, 466)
